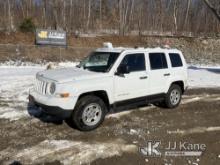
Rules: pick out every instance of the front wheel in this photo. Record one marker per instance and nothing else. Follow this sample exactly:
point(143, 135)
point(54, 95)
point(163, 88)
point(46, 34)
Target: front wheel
point(173, 96)
point(89, 113)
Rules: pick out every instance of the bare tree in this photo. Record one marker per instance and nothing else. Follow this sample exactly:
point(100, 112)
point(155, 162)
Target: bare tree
point(89, 15)
point(122, 16)
point(44, 13)
point(100, 13)
point(187, 13)
point(175, 11)
point(214, 8)
point(71, 14)
point(64, 14)
point(131, 14)
point(10, 17)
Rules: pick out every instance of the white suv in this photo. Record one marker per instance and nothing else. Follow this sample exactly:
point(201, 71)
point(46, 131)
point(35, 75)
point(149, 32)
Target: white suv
point(110, 79)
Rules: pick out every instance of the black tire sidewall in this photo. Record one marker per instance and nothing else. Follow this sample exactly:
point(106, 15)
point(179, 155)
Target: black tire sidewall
point(167, 99)
point(78, 111)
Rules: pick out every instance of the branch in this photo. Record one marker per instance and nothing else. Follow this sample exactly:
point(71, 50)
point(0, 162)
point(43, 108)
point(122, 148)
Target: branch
point(214, 10)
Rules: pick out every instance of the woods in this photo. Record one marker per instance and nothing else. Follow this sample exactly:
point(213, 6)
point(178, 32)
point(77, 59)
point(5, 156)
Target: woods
point(115, 16)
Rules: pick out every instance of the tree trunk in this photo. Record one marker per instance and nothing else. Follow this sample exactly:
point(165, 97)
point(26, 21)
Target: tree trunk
point(71, 15)
point(64, 15)
point(100, 13)
point(215, 10)
point(89, 15)
point(44, 14)
point(10, 17)
point(130, 15)
point(175, 15)
point(125, 17)
point(187, 13)
point(120, 16)
point(22, 8)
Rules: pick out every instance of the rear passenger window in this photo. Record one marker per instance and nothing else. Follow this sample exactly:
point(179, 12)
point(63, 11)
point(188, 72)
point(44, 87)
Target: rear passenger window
point(175, 60)
point(157, 61)
point(136, 62)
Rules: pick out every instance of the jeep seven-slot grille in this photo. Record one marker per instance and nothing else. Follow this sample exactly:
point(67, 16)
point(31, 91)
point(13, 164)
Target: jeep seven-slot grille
point(41, 86)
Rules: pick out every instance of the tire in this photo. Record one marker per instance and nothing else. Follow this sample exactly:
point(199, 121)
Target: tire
point(89, 113)
point(173, 96)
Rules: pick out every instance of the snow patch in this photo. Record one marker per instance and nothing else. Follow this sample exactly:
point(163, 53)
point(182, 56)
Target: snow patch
point(186, 101)
point(124, 113)
point(17, 78)
point(68, 64)
point(195, 130)
point(118, 115)
point(14, 88)
point(20, 64)
point(193, 98)
point(70, 152)
point(13, 114)
point(204, 76)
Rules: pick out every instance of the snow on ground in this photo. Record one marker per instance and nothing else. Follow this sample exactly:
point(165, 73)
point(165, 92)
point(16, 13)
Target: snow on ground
point(204, 76)
point(120, 114)
point(69, 152)
point(15, 83)
point(195, 130)
point(16, 80)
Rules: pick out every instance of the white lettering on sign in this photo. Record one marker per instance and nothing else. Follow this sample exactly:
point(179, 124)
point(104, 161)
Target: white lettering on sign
point(56, 35)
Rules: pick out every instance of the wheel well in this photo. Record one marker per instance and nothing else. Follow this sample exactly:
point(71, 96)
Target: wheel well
point(101, 94)
point(180, 83)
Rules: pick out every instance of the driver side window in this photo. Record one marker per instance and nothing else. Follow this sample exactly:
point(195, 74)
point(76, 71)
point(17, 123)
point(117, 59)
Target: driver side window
point(135, 62)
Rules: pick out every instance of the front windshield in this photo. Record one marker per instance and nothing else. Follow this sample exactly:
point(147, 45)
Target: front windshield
point(99, 61)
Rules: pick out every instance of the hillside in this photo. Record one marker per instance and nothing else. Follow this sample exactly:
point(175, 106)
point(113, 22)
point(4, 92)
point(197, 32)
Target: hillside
point(20, 46)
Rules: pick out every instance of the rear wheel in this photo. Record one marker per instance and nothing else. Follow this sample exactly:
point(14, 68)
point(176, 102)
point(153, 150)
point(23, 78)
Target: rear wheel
point(89, 113)
point(173, 96)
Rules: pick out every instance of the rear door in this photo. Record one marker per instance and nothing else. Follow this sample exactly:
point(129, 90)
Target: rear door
point(159, 72)
point(135, 83)
point(177, 65)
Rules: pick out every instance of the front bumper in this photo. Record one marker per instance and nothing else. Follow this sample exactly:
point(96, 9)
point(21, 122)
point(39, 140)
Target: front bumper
point(51, 110)
point(62, 107)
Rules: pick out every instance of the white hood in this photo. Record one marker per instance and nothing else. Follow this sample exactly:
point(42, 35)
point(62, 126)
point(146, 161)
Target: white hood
point(68, 74)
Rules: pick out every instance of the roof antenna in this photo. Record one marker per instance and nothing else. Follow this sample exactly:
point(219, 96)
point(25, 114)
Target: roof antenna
point(167, 44)
point(107, 45)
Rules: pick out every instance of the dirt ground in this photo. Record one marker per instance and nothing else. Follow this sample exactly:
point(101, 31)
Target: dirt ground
point(42, 139)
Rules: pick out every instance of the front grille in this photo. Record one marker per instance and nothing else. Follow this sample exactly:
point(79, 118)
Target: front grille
point(41, 86)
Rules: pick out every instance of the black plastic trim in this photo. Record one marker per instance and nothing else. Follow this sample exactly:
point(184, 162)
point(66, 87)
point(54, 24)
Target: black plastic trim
point(137, 102)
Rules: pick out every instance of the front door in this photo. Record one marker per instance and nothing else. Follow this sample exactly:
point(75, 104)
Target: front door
point(135, 83)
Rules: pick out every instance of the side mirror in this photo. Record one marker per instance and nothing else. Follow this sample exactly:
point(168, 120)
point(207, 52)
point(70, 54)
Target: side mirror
point(123, 69)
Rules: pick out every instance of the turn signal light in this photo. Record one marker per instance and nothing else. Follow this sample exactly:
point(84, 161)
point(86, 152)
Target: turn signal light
point(64, 95)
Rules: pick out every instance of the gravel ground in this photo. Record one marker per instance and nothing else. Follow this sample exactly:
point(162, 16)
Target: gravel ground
point(42, 139)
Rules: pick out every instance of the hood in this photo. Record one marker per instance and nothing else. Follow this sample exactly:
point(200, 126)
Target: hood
point(68, 74)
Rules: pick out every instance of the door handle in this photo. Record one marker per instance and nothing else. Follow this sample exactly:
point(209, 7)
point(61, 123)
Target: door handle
point(167, 74)
point(144, 77)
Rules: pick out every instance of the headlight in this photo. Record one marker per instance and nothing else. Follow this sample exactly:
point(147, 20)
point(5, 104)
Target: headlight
point(52, 88)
